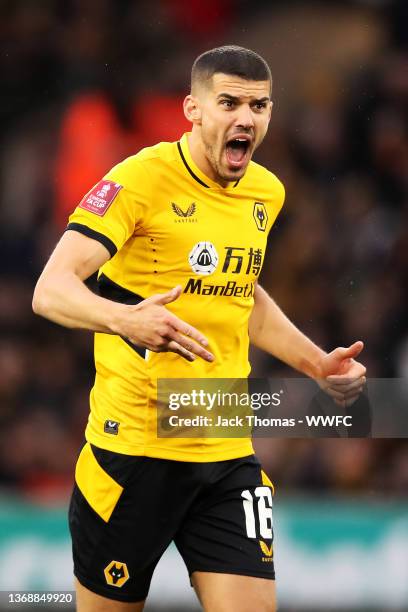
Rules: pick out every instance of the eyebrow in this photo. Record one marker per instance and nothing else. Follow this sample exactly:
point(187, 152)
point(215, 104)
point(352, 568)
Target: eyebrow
point(236, 98)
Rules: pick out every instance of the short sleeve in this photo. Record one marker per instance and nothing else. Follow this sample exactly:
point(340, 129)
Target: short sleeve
point(114, 208)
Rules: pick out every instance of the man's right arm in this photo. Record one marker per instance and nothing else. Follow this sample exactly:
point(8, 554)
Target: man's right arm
point(62, 296)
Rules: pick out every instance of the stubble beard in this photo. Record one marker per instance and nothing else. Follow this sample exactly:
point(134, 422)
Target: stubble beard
point(216, 166)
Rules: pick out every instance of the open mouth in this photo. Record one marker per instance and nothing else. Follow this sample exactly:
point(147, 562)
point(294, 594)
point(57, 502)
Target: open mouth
point(237, 151)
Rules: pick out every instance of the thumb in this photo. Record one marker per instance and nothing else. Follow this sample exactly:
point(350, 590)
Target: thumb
point(165, 298)
point(352, 351)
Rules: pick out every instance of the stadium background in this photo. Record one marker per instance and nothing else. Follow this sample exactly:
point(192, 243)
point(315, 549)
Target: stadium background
point(85, 83)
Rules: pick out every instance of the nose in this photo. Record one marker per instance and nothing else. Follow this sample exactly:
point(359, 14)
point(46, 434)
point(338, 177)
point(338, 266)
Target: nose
point(244, 117)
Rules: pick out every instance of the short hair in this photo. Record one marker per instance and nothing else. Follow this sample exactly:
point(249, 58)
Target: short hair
point(233, 60)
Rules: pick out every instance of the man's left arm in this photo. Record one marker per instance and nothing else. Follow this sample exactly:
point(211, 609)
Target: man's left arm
point(337, 372)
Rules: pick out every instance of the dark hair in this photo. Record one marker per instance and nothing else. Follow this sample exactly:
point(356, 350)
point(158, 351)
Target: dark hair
point(230, 59)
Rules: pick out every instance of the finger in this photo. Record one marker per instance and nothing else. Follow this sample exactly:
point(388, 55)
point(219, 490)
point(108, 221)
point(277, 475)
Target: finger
point(344, 394)
point(336, 395)
point(348, 384)
point(352, 351)
point(174, 347)
point(347, 400)
point(165, 298)
point(336, 380)
point(353, 392)
point(350, 401)
point(188, 330)
point(191, 346)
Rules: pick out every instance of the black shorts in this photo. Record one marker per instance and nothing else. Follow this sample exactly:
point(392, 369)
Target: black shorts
point(126, 510)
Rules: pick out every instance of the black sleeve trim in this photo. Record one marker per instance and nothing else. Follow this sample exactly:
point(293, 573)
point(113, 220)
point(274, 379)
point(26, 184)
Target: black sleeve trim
point(87, 231)
point(110, 290)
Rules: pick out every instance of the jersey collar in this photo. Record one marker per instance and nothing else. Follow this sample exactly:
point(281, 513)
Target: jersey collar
point(193, 169)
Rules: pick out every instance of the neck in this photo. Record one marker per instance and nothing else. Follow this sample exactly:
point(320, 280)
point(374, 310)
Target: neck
point(198, 154)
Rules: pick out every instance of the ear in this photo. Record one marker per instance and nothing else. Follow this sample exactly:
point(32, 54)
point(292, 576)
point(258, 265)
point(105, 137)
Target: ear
point(192, 109)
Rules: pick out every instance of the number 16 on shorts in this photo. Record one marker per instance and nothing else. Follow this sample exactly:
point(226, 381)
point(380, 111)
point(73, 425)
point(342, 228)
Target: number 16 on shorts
point(261, 503)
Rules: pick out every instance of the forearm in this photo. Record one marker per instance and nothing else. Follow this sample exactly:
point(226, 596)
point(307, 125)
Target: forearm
point(66, 300)
point(62, 296)
point(271, 331)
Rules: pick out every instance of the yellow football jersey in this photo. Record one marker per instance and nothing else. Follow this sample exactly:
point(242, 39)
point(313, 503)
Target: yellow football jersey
point(165, 224)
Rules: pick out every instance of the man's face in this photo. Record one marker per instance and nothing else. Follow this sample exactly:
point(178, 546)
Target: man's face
point(235, 115)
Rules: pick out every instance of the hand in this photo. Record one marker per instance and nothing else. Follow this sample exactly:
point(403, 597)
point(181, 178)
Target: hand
point(151, 325)
point(342, 377)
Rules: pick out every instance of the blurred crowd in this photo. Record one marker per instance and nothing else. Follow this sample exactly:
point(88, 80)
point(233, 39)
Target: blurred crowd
point(86, 83)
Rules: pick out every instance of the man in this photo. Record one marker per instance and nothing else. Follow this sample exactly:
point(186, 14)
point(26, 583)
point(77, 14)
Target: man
point(178, 233)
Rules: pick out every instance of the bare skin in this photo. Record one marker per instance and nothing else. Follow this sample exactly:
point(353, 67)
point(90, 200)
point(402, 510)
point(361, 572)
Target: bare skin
point(227, 107)
point(216, 593)
point(62, 296)
point(233, 593)
point(224, 108)
point(337, 373)
point(87, 601)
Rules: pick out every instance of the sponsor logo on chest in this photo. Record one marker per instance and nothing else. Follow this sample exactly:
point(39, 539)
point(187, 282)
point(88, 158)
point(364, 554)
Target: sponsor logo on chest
point(184, 214)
